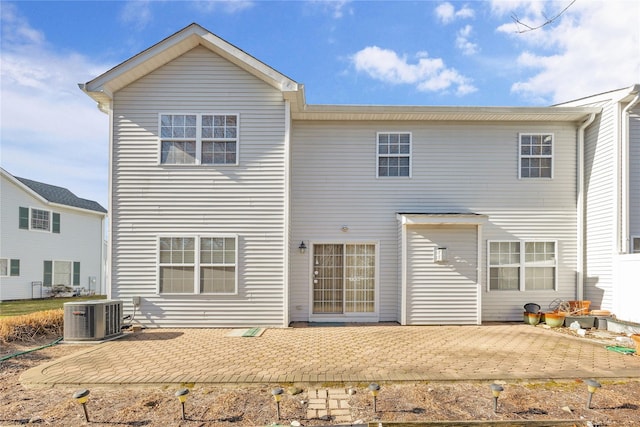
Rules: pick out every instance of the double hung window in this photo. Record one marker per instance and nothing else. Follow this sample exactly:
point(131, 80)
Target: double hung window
point(199, 139)
point(522, 265)
point(197, 265)
point(536, 155)
point(38, 219)
point(65, 273)
point(394, 154)
point(9, 267)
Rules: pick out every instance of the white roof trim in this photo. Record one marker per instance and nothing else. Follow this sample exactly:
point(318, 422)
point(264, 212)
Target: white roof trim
point(102, 88)
point(441, 218)
point(430, 113)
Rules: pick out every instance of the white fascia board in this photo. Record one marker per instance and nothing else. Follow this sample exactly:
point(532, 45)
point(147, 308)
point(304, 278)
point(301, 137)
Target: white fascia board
point(443, 113)
point(441, 218)
point(24, 187)
point(102, 87)
point(614, 95)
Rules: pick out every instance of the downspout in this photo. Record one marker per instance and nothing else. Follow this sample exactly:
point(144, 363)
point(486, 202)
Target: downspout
point(623, 241)
point(581, 209)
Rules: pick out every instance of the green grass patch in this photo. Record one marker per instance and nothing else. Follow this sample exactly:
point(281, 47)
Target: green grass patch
point(22, 307)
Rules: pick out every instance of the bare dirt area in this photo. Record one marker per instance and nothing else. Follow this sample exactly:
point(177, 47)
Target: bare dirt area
point(617, 403)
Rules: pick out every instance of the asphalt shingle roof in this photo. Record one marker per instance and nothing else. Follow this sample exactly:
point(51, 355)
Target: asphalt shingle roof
point(60, 195)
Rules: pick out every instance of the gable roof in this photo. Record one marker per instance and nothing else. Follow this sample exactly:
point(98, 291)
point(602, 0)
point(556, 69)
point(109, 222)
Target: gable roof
point(102, 88)
point(53, 194)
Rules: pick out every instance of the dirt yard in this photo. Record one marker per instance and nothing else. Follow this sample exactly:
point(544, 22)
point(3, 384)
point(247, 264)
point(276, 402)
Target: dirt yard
point(615, 404)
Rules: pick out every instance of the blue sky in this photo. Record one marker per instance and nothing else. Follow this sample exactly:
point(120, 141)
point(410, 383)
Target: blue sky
point(344, 52)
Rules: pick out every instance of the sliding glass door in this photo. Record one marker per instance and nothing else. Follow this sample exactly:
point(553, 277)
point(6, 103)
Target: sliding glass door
point(344, 278)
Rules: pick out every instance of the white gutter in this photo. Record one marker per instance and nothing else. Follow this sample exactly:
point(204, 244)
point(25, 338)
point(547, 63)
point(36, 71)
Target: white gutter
point(581, 209)
point(624, 175)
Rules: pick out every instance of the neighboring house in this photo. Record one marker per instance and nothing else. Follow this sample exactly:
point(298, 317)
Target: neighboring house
point(612, 202)
point(48, 237)
point(234, 203)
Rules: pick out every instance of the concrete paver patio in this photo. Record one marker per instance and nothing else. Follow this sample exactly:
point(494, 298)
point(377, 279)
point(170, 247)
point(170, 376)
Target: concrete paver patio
point(349, 355)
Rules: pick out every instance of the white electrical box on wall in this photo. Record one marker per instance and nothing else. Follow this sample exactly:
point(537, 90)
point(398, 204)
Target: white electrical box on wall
point(440, 255)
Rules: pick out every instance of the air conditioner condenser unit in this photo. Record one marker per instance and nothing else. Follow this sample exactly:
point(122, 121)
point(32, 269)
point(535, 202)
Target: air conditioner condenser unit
point(92, 320)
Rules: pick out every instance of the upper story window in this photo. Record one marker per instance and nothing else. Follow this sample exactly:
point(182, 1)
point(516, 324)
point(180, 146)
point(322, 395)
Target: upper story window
point(536, 155)
point(199, 139)
point(394, 154)
point(38, 219)
point(522, 265)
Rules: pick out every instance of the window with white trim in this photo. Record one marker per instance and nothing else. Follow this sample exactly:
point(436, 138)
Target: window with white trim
point(635, 245)
point(536, 155)
point(199, 139)
point(197, 265)
point(38, 219)
point(531, 269)
point(9, 267)
point(394, 154)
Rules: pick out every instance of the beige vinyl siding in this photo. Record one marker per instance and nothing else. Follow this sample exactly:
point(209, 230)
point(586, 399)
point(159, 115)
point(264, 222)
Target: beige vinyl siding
point(457, 167)
point(600, 204)
point(441, 293)
point(634, 172)
point(151, 200)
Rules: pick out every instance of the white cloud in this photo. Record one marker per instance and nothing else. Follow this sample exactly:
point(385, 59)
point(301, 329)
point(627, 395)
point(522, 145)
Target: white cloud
point(226, 6)
point(463, 43)
point(427, 74)
point(136, 13)
point(592, 47)
point(51, 131)
point(447, 13)
point(336, 8)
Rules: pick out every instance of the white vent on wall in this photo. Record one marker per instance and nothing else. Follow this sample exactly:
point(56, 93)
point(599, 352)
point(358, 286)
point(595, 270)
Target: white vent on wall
point(92, 320)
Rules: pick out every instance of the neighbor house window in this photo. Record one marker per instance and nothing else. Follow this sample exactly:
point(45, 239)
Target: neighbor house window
point(38, 219)
point(197, 264)
point(635, 248)
point(536, 155)
point(9, 267)
point(201, 139)
point(394, 154)
point(522, 265)
point(65, 273)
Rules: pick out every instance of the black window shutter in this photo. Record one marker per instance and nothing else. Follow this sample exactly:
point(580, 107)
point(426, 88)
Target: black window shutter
point(76, 273)
point(15, 267)
point(24, 218)
point(56, 223)
point(47, 280)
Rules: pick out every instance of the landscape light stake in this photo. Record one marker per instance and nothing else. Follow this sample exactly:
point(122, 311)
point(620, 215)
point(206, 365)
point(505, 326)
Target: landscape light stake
point(81, 397)
point(592, 386)
point(277, 396)
point(496, 389)
point(182, 397)
point(374, 389)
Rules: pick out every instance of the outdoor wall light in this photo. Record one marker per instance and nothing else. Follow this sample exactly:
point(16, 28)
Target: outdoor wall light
point(277, 396)
point(182, 397)
point(496, 389)
point(81, 397)
point(374, 389)
point(592, 386)
point(302, 248)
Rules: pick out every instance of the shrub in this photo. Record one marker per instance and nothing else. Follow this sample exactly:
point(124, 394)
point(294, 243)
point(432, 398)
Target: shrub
point(29, 327)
